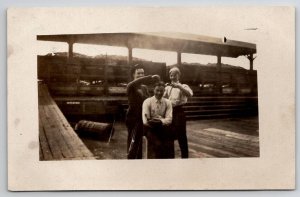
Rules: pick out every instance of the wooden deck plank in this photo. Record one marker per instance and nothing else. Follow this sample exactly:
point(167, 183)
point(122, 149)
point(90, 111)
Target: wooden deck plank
point(229, 124)
point(44, 146)
point(211, 150)
point(56, 133)
point(54, 146)
point(240, 143)
point(196, 154)
point(223, 145)
point(227, 143)
point(77, 145)
point(69, 142)
point(239, 136)
point(55, 128)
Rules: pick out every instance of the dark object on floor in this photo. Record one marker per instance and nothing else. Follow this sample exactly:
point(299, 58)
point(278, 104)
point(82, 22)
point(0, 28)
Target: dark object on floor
point(95, 130)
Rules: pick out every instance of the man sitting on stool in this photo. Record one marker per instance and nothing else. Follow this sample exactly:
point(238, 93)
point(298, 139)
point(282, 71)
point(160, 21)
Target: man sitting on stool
point(157, 117)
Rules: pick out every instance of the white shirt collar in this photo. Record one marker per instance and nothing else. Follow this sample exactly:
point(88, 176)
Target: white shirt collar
point(157, 101)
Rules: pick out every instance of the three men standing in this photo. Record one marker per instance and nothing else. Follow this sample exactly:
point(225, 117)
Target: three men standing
point(160, 117)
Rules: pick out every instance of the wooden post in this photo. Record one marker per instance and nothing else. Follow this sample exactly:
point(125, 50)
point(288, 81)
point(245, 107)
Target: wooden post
point(70, 63)
point(129, 55)
point(105, 84)
point(251, 61)
point(219, 78)
point(251, 58)
point(70, 53)
point(129, 62)
point(178, 58)
point(219, 63)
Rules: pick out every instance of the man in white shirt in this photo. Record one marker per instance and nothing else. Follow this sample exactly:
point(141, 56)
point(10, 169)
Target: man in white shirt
point(178, 94)
point(157, 117)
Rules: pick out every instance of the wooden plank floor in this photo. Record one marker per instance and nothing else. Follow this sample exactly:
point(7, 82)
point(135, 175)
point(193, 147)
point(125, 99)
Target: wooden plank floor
point(235, 137)
point(58, 141)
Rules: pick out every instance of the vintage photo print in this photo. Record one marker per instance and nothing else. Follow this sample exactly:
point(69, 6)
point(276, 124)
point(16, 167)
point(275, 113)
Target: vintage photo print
point(132, 98)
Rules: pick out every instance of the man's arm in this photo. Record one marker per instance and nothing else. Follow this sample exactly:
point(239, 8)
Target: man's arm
point(166, 95)
point(146, 112)
point(186, 90)
point(138, 82)
point(169, 114)
point(142, 80)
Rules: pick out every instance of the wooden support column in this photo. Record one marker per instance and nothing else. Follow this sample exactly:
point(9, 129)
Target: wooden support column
point(105, 84)
point(219, 74)
point(178, 58)
point(129, 55)
point(251, 61)
point(219, 63)
point(251, 83)
point(70, 52)
point(70, 63)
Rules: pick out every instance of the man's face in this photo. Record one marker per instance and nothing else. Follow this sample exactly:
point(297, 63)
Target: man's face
point(159, 91)
point(138, 73)
point(174, 76)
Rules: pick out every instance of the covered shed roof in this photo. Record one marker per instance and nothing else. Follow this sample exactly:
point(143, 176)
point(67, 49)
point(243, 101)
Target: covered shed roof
point(178, 42)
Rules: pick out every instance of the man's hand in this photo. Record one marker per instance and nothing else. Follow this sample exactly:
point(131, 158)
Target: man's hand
point(155, 122)
point(181, 87)
point(176, 85)
point(156, 77)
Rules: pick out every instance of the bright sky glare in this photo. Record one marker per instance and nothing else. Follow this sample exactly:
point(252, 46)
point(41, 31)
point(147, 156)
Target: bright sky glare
point(151, 55)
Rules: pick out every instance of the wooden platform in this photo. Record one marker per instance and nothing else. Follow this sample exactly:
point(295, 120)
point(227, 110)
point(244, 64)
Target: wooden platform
point(58, 141)
point(218, 138)
point(222, 139)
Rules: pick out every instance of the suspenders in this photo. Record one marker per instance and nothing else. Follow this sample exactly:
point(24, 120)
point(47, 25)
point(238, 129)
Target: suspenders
point(169, 94)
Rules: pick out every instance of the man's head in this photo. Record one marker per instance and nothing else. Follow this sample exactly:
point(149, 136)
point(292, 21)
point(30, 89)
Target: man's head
point(137, 71)
point(159, 89)
point(174, 74)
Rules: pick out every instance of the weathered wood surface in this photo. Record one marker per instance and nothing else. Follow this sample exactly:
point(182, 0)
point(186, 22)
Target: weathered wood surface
point(235, 137)
point(58, 140)
point(219, 138)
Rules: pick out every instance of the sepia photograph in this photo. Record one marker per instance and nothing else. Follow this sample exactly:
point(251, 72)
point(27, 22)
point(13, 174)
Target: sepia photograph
point(93, 107)
point(151, 98)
